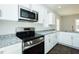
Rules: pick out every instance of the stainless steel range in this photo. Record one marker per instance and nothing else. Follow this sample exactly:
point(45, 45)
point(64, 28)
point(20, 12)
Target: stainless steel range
point(32, 43)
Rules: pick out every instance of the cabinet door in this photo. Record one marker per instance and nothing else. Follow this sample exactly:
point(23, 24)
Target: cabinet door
point(53, 40)
point(35, 7)
point(76, 40)
point(9, 12)
point(42, 13)
point(46, 19)
point(29, 6)
point(50, 42)
point(59, 37)
point(65, 38)
point(47, 43)
point(51, 17)
point(13, 49)
point(39, 9)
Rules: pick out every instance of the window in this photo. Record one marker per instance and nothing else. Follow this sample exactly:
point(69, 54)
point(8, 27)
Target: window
point(77, 25)
point(58, 24)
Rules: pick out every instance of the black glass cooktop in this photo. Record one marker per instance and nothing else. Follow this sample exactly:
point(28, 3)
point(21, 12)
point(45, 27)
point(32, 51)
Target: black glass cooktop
point(25, 39)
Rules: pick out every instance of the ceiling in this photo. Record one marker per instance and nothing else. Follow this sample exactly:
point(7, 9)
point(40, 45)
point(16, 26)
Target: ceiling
point(64, 9)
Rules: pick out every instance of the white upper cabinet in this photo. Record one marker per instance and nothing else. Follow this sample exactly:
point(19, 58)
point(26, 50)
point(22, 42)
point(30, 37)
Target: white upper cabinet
point(29, 6)
point(51, 18)
point(35, 7)
point(40, 10)
point(9, 12)
point(46, 20)
point(45, 16)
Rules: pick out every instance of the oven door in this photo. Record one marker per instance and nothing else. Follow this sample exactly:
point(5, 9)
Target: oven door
point(38, 49)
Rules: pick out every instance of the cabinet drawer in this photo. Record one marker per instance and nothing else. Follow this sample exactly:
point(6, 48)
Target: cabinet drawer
point(13, 49)
point(76, 43)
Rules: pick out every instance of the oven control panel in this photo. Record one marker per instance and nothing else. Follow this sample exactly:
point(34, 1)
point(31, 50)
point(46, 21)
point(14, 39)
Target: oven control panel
point(33, 42)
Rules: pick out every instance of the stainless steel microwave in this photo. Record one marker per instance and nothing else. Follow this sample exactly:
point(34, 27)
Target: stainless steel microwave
point(26, 14)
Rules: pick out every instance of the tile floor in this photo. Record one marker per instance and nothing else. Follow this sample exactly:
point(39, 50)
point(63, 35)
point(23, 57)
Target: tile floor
point(61, 49)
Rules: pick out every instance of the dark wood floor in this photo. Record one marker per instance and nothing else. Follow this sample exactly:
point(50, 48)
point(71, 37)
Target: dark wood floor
point(61, 49)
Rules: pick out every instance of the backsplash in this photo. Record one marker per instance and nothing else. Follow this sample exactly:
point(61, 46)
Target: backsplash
point(9, 27)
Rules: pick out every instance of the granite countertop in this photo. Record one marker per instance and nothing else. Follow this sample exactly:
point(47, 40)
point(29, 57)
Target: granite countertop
point(46, 32)
point(7, 40)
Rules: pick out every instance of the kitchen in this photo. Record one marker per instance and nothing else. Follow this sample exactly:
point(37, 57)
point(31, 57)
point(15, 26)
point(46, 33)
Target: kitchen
point(47, 27)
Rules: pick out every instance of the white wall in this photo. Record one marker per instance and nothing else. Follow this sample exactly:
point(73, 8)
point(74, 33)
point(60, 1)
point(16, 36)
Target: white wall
point(9, 27)
point(67, 22)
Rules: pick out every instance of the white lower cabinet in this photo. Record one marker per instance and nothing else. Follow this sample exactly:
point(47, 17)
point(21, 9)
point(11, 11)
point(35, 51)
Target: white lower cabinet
point(53, 40)
point(68, 39)
point(75, 40)
point(13, 49)
point(47, 43)
point(65, 38)
point(50, 42)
